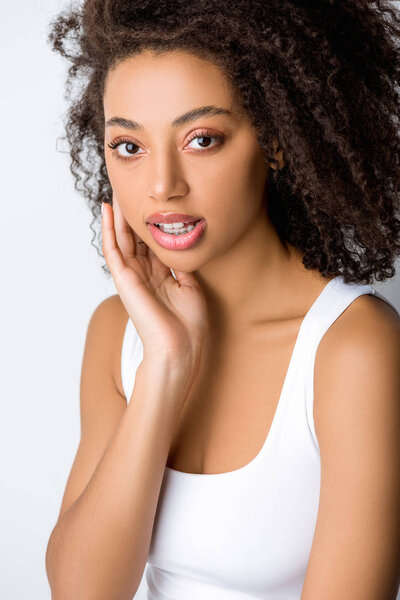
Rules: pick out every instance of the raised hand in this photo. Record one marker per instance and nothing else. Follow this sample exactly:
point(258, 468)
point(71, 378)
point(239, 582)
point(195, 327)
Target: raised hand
point(169, 315)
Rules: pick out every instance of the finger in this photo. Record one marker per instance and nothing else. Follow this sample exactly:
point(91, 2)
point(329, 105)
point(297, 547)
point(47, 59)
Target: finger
point(158, 269)
point(127, 238)
point(141, 246)
point(123, 231)
point(111, 250)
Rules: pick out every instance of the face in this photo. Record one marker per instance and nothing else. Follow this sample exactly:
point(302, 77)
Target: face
point(210, 167)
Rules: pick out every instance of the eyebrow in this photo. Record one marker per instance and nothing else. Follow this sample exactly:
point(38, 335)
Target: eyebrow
point(187, 117)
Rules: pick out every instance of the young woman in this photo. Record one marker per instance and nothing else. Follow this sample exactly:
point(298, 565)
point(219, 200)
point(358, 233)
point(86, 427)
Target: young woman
point(240, 394)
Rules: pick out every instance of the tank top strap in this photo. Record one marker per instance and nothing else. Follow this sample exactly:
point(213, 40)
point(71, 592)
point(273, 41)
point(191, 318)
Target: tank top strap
point(131, 357)
point(334, 299)
point(330, 306)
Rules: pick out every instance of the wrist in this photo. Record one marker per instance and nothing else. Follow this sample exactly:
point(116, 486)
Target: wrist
point(167, 361)
point(169, 370)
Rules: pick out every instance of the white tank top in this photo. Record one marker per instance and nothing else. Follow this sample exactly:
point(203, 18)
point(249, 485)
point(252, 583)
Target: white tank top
point(247, 533)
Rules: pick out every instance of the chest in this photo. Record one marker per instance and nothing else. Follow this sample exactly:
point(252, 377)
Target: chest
point(231, 405)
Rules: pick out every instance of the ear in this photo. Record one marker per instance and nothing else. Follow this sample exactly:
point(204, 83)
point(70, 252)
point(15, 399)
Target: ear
point(278, 156)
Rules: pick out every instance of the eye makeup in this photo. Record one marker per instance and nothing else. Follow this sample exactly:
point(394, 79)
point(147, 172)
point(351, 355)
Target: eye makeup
point(202, 133)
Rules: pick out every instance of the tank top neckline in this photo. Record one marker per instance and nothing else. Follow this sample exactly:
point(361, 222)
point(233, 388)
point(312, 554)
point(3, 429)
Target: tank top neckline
point(241, 471)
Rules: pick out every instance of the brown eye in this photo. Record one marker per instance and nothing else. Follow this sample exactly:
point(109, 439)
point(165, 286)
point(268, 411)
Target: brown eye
point(203, 139)
point(129, 147)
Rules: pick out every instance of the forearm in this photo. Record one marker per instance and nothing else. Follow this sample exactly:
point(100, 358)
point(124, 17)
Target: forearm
point(99, 547)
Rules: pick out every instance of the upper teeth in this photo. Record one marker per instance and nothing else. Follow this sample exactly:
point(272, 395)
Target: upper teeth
point(172, 225)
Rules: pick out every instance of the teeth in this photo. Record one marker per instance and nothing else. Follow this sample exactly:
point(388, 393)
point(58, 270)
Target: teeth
point(176, 230)
point(171, 225)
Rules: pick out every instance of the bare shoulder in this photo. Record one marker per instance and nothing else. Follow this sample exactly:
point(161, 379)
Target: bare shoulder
point(368, 327)
point(355, 551)
point(363, 344)
point(109, 321)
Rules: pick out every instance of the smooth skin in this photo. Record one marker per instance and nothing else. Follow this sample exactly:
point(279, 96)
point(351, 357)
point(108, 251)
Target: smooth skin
point(242, 283)
point(224, 183)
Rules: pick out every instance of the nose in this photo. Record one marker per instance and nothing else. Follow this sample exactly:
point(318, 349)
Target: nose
point(166, 179)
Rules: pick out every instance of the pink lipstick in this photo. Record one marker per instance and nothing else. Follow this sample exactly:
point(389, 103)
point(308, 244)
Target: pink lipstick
point(175, 240)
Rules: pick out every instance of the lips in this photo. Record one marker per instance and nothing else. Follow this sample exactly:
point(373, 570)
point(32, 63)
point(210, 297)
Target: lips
point(178, 242)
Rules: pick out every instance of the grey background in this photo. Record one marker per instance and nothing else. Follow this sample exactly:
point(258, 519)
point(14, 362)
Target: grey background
point(52, 282)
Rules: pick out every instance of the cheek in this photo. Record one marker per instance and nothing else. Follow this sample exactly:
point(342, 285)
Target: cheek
point(238, 187)
point(113, 174)
point(122, 182)
point(243, 168)
point(123, 188)
point(109, 162)
point(250, 173)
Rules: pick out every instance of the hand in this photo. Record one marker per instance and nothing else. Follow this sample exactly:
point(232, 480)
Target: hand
point(169, 315)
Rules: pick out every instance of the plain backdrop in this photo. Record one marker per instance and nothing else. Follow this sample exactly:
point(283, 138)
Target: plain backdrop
point(52, 282)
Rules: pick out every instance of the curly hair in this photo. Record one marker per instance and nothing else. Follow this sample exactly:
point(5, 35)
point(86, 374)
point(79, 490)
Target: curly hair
point(321, 76)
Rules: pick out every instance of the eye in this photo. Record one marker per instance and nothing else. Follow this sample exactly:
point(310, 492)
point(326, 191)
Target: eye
point(129, 147)
point(202, 135)
point(205, 135)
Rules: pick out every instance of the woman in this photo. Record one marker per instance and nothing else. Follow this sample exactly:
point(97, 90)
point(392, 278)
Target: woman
point(246, 352)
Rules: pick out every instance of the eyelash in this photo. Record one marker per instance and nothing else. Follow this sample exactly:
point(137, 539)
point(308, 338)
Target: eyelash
point(201, 133)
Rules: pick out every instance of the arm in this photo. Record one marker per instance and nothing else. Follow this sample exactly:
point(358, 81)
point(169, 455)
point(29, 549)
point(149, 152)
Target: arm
point(99, 546)
point(355, 553)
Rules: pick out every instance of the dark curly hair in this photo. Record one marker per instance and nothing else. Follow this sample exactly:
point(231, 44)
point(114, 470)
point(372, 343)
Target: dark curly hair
point(321, 76)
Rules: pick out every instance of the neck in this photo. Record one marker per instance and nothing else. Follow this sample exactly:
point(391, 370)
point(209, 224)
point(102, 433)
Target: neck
point(258, 279)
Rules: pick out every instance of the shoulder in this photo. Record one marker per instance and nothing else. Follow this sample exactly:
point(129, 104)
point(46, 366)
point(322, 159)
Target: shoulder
point(111, 308)
point(366, 333)
point(357, 359)
point(357, 423)
point(107, 325)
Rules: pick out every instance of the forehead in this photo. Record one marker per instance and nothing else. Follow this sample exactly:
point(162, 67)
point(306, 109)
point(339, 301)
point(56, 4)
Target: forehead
point(164, 85)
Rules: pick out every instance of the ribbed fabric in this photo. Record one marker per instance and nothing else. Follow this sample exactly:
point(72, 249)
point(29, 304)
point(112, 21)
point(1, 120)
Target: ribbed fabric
point(247, 533)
